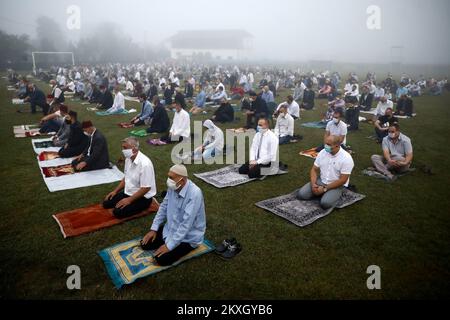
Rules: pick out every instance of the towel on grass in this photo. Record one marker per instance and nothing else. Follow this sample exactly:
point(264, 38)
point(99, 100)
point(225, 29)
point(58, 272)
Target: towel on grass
point(305, 212)
point(106, 113)
point(92, 218)
point(126, 262)
point(156, 142)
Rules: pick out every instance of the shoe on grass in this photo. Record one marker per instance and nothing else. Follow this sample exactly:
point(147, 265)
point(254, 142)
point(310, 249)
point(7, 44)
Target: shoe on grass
point(232, 251)
point(224, 245)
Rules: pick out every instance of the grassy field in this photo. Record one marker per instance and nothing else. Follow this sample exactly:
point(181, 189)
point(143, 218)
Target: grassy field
point(402, 227)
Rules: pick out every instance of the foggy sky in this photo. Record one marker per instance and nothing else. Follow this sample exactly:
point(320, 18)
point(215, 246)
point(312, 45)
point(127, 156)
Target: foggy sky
point(283, 29)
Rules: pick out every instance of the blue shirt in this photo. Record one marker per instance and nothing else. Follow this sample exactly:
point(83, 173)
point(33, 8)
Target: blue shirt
point(200, 99)
point(267, 96)
point(146, 112)
point(184, 213)
point(401, 91)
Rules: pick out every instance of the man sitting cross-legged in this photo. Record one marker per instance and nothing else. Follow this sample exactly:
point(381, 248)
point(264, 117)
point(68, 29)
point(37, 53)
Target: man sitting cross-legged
point(136, 190)
point(397, 153)
point(329, 174)
point(183, 211)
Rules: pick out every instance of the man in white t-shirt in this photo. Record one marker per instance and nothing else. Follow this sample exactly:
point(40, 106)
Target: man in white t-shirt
point(383, 105)
point(337, 127)
point(181, 125)
point(135, 192)
point(329, 174)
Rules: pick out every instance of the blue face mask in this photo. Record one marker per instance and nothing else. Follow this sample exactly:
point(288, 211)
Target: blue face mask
point(328, 148)
point(259, 129)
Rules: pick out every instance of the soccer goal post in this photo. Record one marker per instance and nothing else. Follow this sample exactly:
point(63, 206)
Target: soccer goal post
point(52, 55)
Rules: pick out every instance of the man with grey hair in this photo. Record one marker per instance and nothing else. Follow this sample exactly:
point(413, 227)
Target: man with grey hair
point(183, 211)
point(136, 190)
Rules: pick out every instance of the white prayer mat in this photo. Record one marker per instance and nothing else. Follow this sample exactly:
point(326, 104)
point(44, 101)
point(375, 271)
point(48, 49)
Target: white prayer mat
point(227, 177)
point(38, 149)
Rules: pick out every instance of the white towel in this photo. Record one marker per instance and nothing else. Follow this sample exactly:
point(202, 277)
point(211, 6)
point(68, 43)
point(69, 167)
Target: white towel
point(39, 150)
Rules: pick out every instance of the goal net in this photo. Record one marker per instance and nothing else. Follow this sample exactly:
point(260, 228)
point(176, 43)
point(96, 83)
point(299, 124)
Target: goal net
point(45, 60)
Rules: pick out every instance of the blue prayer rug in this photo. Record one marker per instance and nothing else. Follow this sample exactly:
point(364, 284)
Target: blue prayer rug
point(126, 262)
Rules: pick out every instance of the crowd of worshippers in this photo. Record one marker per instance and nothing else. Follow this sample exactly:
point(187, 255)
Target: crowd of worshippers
point(180, 223)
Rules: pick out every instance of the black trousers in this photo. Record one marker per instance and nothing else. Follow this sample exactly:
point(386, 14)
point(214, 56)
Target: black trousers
point(380, 134)
point(45, 107)
point(88, 167)
point(254, 172)
point(170, 257)
point(71, 151)
point(252, 119)
point(135, 207)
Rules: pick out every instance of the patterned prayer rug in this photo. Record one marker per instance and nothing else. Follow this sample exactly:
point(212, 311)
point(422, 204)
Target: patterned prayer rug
point(58, 171)
point(43, 144)
point(126, 262)
point(227, 177)
point(92, 218)
point(310, 153)
point(48, 155)
point(305, 212)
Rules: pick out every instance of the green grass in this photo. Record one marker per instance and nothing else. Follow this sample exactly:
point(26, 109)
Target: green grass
point(402, 227)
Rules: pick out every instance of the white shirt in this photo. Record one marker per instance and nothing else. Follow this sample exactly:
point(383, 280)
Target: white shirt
point(381, 107)
point(339, 129)
point(293, 108)
point(333, 166)
point(129, 86)
point(119, 103)
point(57, 92)
point(139, 174)
point(62, 81)
point(267, 145)
point(181, 125)
point(379, 92)
point(284, 126)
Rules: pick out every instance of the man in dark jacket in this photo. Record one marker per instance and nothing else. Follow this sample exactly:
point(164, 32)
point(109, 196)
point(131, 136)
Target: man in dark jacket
point(95, 156)
point(160, 120)
point(225, 113)
point(77, 141)
point(258, 109)
point(36, 97)
point(107, 98)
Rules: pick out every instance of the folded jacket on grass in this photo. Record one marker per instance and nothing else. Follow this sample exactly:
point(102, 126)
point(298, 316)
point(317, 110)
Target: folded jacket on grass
point(126, 262)
point(92, 218)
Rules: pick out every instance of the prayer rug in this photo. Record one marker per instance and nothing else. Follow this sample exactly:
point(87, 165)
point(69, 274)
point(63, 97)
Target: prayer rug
point(82, 179)
point(139, 133)
point(305, 212)
point(125, 125)
point(43, 147)
point(92, 218)
point(106, 113)
point(58, 171)
point(241, 130)
point(227, 177)
point(126, 262)
point(156, 142)
point(316, 125)
point(48, 155)
point(17, 101)
point(310, 153)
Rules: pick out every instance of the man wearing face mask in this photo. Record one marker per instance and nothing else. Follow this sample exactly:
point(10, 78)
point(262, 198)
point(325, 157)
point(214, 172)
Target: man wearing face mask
point(258, 109)
point(397, 153)
point(183, 211)
point(95, 156)
point(77, 141)
point(284, 128)
point(181, 125)
point(329, 174)
point(263, 151)
point(337, 127)
point(137, 189)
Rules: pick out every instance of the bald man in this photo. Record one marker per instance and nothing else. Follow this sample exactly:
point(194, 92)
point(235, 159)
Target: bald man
point(329, 174)
point(183, 214)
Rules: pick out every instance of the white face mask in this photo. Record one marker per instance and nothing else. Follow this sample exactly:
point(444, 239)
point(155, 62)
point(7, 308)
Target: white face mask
point(336, 121)
point(392, 135)
point(171, 185)
point(127, 153)
point(86, 134)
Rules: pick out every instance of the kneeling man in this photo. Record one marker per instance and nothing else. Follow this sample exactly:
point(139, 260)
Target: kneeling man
point(329, 174)
point(135, 192)
point(183, 211)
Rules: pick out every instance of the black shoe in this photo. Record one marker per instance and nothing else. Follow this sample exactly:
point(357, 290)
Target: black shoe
point(232, 251)
point(224, 245)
